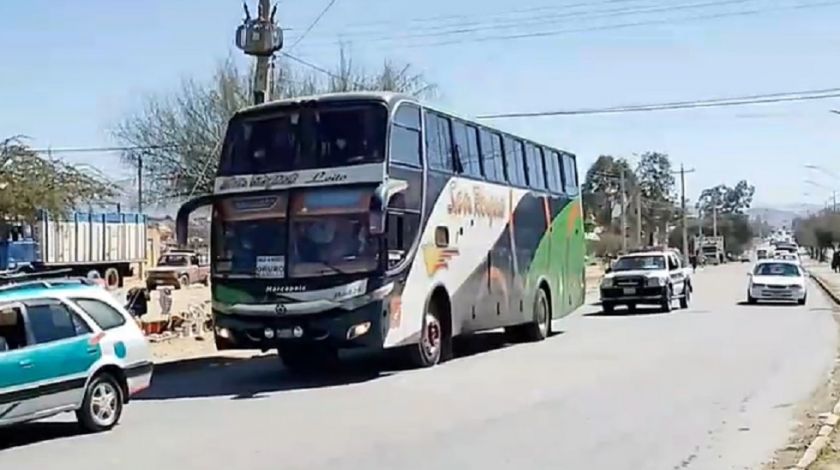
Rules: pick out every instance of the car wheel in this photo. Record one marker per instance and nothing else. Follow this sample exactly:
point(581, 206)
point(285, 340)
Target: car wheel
point(183, 281)
point(103, 404)
point(686, 298)
point(802, 300)
point(750, 299)
point(608, 308)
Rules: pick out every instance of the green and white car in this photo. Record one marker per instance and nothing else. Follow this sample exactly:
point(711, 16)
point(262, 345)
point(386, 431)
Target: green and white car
point(66, 345)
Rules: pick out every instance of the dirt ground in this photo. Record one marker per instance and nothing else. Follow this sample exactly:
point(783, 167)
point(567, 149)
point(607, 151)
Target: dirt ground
point(808, 417)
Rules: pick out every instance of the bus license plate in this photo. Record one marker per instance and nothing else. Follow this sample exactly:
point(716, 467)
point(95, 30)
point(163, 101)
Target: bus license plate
point(629, 290)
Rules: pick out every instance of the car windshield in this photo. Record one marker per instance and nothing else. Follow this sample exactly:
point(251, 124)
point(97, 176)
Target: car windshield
point(634, 263)
point(298, 139)
point(776, 269)
point(174, 260)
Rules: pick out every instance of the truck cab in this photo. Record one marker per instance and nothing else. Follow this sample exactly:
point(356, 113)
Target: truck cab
point(179, 268)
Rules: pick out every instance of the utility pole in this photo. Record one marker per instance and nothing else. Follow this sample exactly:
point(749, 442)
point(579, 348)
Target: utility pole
point(140, 201)
point(623, 213)
point(260, 37)
point(684, 215)
point(639, 243)
point(714, 221)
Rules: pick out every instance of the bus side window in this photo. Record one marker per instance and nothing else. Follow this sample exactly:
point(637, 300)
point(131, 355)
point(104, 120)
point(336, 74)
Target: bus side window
point(439, 142)
point(467, 148)
point(558, 160)
point(536, 176)
point(405, 136)
point(552, 176)
point(514, 161)
point(570, 172)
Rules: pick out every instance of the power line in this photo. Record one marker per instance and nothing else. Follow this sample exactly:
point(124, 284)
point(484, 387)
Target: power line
point(322, 70)
point(615, 26)
point(132, 148)
point(708, 103)
point(313, 23)
point(494, 20)
point(549, 20)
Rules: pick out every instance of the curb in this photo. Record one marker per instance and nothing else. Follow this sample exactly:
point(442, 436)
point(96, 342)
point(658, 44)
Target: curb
point(828, 421)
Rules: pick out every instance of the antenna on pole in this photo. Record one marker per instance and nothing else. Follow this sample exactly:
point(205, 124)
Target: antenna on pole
point(262, 38)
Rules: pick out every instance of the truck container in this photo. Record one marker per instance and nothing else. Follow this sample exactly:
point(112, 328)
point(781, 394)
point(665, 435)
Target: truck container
point(81, 243)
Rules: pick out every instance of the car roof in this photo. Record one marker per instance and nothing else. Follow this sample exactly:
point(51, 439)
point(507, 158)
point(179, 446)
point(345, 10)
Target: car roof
point(28, 291)
point(645, 253)
point(777, 261)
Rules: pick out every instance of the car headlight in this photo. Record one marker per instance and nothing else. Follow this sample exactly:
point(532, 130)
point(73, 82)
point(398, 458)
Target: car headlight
point(796, 287)
point(655, 281)
point(607, 282)
point(758, 286)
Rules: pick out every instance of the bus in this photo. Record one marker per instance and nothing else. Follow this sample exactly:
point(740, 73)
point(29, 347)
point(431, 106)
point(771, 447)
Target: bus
point(370, 220)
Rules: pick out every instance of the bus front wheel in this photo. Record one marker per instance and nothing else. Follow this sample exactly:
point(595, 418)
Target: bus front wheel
point(430, 349)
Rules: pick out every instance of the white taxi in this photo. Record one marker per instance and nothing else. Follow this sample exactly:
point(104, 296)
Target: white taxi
point(67, 345)
point(777, 279)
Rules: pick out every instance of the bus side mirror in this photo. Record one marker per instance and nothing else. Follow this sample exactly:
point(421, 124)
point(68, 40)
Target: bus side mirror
point(182, 220)
point(379, 204)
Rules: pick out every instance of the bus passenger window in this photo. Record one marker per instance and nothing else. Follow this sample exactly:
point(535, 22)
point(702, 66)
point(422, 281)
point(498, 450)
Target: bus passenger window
point(514, 161)
point(570, 172)
point(467, 145)
point(438, 142)
point(536, 177)
point(552, 175)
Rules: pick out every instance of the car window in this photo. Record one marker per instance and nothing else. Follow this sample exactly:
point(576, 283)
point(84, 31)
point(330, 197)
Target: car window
point(673, 264)
point(777, 269)
point(53, 321)
point(105, 316)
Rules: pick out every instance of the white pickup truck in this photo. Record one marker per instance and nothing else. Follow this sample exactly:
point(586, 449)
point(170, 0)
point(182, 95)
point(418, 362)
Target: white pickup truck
point(649, 277)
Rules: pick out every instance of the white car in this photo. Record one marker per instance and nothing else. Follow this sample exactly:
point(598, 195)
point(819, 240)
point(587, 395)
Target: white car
point(775, 280)
point(66, 345)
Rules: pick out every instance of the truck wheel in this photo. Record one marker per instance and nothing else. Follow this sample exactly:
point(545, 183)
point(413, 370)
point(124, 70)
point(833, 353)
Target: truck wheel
point(666, 301)
point(112, 278)
point(608, 308)
point(183, 281)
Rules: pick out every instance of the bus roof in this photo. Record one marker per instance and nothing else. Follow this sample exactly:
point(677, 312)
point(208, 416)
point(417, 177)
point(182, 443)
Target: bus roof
point(389, 98)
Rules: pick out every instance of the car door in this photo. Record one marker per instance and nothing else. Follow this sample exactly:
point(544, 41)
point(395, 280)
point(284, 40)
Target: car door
point(15, 366)
point(677, 274)
point(62, 349)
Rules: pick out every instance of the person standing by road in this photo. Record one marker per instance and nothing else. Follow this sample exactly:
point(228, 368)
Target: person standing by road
point(835, 261)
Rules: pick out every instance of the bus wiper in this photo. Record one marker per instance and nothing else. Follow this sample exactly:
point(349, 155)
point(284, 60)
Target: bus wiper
point(334, 268)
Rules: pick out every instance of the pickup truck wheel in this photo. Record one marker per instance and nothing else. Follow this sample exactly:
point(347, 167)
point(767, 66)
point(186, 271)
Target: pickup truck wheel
point(666, 301)
point(686, 298)
point(183, 281)
point(608, 308)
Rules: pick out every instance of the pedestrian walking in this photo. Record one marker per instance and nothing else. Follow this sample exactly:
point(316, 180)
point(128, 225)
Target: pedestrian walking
point(835, 261)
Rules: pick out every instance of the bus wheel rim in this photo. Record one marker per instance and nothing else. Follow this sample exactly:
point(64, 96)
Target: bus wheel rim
point(431, 338)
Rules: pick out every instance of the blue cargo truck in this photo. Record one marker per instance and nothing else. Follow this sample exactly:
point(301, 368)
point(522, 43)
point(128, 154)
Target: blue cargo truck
point(104, 245)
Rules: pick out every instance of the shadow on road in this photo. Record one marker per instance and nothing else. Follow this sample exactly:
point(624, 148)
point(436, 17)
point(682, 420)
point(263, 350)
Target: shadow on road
point(243, 379)
point(33, 433)
point(626, 312)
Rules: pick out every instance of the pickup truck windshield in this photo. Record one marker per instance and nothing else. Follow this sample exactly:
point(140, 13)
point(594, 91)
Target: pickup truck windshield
point(636, 263)
point(174, 260)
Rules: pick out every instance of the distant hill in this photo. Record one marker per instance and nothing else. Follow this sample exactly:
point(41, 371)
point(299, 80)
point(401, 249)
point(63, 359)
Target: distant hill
point(782, 216)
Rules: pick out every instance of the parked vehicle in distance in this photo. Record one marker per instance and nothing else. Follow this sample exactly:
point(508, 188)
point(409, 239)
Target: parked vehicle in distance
point(179, 268)
point(777, 280)
point(66, 345)
point(648, 278)
point(744, 258)
point(96, 245)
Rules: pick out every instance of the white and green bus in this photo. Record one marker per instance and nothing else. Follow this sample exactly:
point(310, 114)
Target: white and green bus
point(369, 220)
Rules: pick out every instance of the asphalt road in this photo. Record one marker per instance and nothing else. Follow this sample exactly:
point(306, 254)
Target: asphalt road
point(711, 387)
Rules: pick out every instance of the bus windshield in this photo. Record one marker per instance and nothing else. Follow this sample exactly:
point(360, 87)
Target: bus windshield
point(320, 232)
point(295, 138)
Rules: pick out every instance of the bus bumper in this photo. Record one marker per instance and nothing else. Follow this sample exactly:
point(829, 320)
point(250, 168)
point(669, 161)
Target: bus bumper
point(360, 328)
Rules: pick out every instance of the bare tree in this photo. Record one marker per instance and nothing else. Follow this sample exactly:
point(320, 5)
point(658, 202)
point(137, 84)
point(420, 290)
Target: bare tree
point(29, 182)
point(180, 132)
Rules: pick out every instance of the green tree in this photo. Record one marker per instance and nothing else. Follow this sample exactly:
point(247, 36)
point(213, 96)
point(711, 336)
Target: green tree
point(601, 189)
point(29, 182)
point(656, 186)
point(727, 200)
point(180, 132)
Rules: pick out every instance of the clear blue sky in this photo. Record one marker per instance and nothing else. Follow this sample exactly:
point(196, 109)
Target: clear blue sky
point(71, 69)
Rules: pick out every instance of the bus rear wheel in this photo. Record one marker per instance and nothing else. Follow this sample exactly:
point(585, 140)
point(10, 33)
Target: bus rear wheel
point(540, 327)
